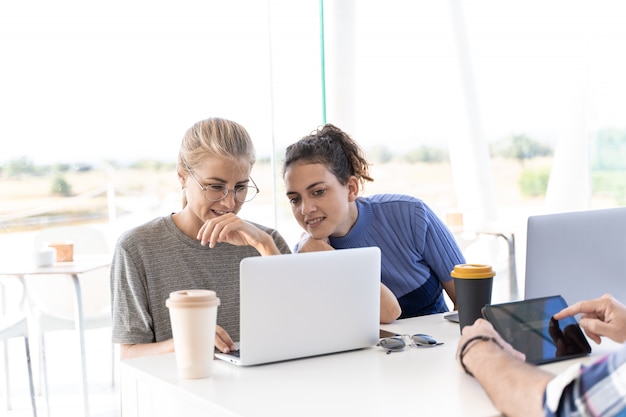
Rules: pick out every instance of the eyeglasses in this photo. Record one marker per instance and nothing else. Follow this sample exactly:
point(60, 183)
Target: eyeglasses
point(217, 192)
point(397, 343)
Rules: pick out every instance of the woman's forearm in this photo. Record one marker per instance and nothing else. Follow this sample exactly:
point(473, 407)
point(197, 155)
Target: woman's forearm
point(389, 306)
point(128, 351)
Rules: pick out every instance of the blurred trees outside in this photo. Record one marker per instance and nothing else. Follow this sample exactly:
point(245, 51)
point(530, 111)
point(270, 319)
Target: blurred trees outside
point(607, 153)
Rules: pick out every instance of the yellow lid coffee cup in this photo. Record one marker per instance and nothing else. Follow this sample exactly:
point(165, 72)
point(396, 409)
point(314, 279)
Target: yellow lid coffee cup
point(472, 271)
point(473, 284)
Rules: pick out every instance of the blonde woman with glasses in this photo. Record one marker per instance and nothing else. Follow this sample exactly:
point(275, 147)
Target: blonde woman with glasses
point(199, 246)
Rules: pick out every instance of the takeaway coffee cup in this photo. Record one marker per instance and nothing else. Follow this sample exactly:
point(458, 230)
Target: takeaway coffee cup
point(473, 284)
point(193, 314)
point(64, 251)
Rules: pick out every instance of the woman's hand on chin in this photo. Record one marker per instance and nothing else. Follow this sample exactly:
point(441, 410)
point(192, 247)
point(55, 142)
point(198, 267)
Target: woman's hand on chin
point(309, 244)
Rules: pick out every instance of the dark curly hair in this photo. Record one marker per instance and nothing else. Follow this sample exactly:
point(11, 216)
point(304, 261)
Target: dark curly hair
point(334, 148)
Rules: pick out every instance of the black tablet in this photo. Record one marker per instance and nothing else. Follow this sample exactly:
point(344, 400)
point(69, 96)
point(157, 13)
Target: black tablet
point(529, 327)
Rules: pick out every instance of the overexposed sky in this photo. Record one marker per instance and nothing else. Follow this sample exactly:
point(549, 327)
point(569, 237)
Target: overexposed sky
point(126, 79)
point(92, 80)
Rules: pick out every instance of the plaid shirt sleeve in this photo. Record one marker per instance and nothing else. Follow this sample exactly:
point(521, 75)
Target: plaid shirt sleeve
point(595, 390)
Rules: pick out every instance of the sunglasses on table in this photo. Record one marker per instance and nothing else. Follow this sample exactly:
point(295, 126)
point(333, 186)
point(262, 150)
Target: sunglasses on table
point(398, 343)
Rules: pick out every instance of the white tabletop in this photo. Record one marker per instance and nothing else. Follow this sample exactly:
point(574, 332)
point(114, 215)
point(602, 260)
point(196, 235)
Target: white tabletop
point(78, 266)
point(366, 382)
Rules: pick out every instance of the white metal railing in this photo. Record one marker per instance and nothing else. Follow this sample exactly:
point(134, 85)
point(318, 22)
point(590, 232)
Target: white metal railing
point(70, 201)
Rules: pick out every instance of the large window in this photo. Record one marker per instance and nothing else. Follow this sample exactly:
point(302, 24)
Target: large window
point(423, 86)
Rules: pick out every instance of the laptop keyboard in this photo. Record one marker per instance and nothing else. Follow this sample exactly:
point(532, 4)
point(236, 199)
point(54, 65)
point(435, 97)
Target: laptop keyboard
point(234, 353)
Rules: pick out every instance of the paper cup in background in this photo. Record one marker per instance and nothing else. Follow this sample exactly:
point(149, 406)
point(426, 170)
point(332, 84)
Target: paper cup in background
point(45, 257)
point(64, 250)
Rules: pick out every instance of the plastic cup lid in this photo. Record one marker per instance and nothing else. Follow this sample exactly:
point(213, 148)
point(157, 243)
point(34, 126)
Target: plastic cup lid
point(192, 298)
point(472, 271)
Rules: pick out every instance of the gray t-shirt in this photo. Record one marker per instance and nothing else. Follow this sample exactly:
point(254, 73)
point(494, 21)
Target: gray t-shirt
point(155, 259)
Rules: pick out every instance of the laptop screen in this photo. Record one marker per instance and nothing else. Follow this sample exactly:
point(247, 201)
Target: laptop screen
point(308, 304)
point(578, 255)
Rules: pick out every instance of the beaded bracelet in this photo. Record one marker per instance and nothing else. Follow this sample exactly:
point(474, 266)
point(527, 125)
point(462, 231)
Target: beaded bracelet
point(466, 346)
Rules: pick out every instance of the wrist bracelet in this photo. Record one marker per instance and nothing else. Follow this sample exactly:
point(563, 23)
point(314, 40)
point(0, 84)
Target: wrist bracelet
point(466, 347)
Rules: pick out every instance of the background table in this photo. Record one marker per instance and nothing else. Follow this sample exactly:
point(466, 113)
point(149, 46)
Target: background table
point(73, 270)
point(365, 382)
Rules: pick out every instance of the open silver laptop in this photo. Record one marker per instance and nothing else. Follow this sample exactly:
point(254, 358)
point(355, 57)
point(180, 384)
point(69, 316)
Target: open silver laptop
point(579, 255)
point(307, 304)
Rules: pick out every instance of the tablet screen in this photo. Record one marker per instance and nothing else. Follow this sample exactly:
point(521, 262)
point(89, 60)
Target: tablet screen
point(529, 327)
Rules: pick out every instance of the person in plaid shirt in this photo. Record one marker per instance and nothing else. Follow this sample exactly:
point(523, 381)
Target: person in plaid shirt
point(598, 389)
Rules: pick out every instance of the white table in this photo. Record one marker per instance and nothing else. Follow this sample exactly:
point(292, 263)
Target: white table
point(73, 270)
point(365, 382)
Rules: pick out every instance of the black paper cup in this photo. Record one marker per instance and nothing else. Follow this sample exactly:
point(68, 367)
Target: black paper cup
point(473, 284)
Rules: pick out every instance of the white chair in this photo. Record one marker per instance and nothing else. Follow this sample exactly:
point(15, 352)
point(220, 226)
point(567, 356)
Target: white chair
point(13, 323)
point(51, 297)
